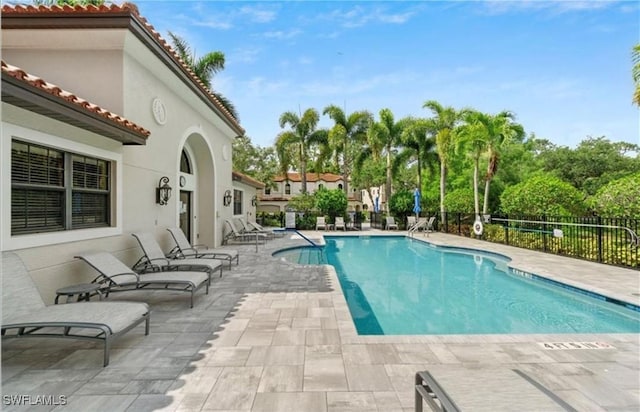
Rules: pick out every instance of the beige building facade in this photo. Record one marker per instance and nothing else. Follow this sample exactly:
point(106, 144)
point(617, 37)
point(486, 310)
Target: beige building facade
point(96, 111)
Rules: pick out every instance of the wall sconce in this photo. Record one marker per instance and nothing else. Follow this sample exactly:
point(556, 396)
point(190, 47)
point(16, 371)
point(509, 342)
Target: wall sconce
point(163, 191)
point(226, 200)
point(254, 200)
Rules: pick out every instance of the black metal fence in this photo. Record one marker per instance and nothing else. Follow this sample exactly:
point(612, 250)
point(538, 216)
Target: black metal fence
point(605, 240)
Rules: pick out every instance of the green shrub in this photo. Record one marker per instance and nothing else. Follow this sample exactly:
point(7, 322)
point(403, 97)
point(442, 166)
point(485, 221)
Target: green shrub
point(459, 200)
point(543, 195)
point(619, 198)
point(331, 203)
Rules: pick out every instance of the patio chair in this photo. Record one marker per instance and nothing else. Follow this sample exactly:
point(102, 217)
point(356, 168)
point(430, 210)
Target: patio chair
point(154, 259)
point(115, 276)
point(391, 223)
point(250, 229)
point(237, 235)
point(185, 250)
point(24, 314)
point(340, 223)
point(320, 223)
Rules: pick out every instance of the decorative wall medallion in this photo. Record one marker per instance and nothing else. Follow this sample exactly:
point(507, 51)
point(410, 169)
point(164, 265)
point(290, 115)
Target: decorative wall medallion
point(225, 152)
point(183, 181)
point(159, 111)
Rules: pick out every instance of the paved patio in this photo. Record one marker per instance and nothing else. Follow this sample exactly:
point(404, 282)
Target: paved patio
point(273, 336)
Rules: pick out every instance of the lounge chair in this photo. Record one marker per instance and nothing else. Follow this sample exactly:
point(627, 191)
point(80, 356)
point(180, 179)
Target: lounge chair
point(276, 231)
point(115, 276)
point(24, 314)
point(320, 223)
point(391, 223)
point(411, 222)
point(184, 249)
point(237, 235)
point(250, 229)
point(340, 223)
point(429, 227)
point(154, 259)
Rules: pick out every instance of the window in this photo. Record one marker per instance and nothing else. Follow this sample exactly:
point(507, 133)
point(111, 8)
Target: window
point(267, 190)
point(185, 164)
point(287, 189)
point(237, 202)
point(320, 186)
point(53, 190)
point(340, 186)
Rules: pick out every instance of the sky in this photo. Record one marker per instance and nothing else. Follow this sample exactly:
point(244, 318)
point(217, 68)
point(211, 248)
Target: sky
point(562, 67)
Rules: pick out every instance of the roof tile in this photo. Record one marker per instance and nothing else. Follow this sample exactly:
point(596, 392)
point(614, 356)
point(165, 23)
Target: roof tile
point(54, 90)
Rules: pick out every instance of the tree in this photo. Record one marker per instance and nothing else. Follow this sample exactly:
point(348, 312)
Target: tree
point(258, 162)
point(474, 138)
point(401, 203)
point(543, 194)
point(385, 134)
point(205, 67)
point(499, 129)
point(297, 141)
point(619, 198)
point(346, 132)
point(331, 202)
point(418, 146)
point(635, 73)
point(593, 163)
point(444, 123)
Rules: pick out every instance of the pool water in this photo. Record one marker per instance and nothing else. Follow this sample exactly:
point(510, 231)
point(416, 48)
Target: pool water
point(399, 286)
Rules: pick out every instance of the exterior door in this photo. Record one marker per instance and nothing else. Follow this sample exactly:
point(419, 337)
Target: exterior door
point(186, 214)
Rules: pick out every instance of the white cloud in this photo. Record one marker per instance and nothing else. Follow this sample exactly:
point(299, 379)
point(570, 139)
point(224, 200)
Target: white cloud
point(552, 6)
point(282, 35)
point(258, 14)
point(213, 23)
point(359, 16)
point(248, 55)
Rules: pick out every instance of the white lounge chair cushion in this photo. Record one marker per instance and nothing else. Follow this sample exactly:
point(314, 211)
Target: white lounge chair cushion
point(213, 264)
point(196, 278)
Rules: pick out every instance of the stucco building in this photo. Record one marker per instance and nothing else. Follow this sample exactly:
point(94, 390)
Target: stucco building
point(96, 110)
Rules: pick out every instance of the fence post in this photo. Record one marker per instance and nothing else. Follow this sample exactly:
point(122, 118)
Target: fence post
point(506, 230)
point(599, 222)
point(544, 233)
point(458, 221)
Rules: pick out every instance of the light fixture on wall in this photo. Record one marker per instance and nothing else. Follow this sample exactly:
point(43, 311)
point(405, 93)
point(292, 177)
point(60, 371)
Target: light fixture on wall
point(254, 200)
point(226, 200)
point(163, 191)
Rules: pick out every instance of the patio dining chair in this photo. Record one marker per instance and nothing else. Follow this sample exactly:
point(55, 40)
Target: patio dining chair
point(155, 260)
point(184, 249)
point(24, 314)
point(411, 222)
point(391, 223)
point(320, 223)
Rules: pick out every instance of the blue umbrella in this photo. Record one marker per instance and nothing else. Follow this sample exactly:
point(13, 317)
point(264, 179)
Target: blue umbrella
point(416, 202)
point(376, 205)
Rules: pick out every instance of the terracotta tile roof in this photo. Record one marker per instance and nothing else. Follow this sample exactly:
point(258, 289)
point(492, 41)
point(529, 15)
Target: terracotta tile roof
point(311, 177)
point(247, 179)
point(126, 8)
point(54, 90)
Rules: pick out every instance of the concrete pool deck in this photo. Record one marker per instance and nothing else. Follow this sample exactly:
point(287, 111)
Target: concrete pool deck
point(274, 336)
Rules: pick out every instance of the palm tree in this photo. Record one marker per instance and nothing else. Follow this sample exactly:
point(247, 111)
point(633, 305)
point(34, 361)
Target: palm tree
point(418, 144)
point(345, 132)
point(205, 67)
point(499, 129)
point(445, 121)
point(635, 72)
point(473, 135)
point(297, 141)
point(386, 134)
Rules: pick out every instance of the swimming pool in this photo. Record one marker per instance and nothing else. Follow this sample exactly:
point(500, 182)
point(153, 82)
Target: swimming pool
point(402, 286)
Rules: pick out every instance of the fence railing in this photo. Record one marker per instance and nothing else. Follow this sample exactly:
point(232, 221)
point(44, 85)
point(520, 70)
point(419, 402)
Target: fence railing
point(610, 241)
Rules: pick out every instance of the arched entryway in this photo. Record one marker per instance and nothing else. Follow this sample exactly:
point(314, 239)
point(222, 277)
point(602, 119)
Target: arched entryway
point(196, 212)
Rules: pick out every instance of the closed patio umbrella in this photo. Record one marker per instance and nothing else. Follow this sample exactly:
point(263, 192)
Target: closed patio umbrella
point(416, 202)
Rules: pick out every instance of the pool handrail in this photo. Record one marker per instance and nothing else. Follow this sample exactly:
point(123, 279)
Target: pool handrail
point(288, 229)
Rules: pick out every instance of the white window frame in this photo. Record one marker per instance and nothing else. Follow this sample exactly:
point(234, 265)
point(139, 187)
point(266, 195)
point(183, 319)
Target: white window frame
point(9, 242)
